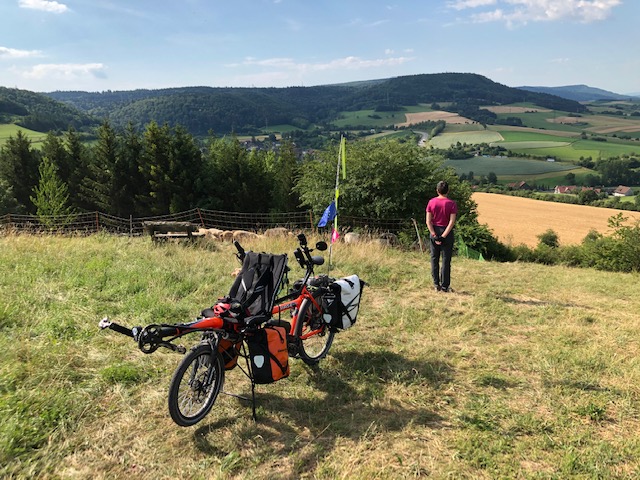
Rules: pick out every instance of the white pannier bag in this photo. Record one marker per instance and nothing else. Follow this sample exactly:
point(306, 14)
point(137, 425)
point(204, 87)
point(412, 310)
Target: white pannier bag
point(341, 307)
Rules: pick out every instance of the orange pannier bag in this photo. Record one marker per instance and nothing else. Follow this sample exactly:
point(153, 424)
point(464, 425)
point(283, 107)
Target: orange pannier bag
point(269, 354)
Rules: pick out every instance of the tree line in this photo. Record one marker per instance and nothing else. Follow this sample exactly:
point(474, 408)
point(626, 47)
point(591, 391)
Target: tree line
point(156, 171)
point(163, 170)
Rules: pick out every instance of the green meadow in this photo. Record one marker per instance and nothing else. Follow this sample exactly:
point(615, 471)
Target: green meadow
point(10, 130)
point(508, 166)
point(524, 371)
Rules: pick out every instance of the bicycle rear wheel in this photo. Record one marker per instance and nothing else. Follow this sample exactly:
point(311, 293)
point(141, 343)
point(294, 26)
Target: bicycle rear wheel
point(315, 336)
point(195, 385)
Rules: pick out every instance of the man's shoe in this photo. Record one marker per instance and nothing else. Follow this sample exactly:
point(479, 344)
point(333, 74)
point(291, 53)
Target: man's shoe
point(444, 289)
point(437, 288)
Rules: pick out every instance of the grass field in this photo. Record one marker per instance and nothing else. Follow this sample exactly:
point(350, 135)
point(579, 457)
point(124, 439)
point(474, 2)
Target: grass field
point(10, 130)
point(445, 140)
point(506, 167)
point(367, 118)
point(516, 220)
point(525, 371)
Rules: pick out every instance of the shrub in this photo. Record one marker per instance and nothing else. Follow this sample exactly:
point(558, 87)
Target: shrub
point(549, 238)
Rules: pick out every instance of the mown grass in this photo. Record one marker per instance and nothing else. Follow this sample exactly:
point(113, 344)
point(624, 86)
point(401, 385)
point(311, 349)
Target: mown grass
point(508, 166)
point(525, 371)
point(11, 130)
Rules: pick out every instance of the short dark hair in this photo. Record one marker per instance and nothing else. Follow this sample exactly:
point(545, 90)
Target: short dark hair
point(443, 187)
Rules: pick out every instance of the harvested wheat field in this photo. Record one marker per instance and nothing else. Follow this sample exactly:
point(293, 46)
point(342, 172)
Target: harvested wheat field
point(419, 117)
point(516, 220)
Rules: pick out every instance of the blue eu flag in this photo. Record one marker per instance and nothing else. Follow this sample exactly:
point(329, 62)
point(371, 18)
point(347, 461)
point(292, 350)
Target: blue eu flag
point(328, 215)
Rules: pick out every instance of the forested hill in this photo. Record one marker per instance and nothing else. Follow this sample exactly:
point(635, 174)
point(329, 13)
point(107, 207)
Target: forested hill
point(38, 112)
point(579, 93)
point(245, 110)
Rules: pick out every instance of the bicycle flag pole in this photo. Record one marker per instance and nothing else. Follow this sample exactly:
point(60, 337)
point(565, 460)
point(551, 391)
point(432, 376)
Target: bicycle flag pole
point(331, 212)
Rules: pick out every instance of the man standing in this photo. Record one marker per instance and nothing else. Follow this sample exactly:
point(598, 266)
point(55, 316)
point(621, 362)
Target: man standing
point(441, 217)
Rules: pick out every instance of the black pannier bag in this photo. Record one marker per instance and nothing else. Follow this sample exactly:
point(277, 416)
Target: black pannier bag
point(268, 354)
point(340, 306)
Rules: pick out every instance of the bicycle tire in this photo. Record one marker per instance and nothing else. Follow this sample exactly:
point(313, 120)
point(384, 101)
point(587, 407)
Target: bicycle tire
point(195, 385)
point(314, 348)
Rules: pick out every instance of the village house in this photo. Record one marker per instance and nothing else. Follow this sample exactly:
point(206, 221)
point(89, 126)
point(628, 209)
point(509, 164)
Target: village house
point(565, 189)
point(519, 186)
point(574, 189)
point(623, 191)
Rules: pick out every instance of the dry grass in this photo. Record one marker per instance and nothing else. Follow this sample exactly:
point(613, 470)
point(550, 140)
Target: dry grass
point(516, 220)
point(525, 371)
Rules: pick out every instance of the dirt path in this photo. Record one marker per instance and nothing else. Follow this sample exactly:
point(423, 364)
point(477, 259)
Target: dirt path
point(516, 220)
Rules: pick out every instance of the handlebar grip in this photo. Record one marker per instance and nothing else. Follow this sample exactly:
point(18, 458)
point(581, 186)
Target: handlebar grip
point(302, 239)
point(241, 252)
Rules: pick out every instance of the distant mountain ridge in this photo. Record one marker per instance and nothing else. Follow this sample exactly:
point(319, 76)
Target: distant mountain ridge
point(247, 110)
point(578, 93)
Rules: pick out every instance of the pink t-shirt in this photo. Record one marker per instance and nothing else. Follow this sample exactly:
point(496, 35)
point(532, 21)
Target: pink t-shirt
point(441, 209)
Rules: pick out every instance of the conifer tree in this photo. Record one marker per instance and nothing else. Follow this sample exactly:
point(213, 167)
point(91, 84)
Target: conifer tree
point(156, 168)
point(51, 197)
point(19, 168)
point(78, 158)
point(96, 187)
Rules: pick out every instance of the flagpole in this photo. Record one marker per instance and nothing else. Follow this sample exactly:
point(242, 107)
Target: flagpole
point(337, 194)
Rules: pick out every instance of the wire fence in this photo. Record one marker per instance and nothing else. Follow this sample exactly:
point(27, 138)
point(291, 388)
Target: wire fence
point(94, 222)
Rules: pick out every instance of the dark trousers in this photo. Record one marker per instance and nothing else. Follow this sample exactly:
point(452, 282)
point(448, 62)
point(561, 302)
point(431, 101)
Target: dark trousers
point(441, 276)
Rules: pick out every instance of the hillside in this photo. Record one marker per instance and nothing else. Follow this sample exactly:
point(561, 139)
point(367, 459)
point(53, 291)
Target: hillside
point(38, 112)
point(578, 93)
point(247, 110)
point(525, 371)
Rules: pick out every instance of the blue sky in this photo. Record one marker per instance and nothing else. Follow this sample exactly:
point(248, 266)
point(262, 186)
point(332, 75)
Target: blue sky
point(98, 45)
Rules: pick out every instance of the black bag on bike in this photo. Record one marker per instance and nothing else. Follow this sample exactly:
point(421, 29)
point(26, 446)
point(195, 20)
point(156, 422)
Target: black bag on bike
point(340, 306)
point(268, 354)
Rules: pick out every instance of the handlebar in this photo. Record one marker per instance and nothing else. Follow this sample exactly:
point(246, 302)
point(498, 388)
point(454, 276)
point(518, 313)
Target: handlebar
point(241, 253)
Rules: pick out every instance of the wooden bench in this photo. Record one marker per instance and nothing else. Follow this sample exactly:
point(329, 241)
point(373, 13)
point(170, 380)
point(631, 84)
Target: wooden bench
point(167, 230)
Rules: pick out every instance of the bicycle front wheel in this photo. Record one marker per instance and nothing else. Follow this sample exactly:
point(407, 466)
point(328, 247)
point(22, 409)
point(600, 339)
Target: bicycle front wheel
point(314, 335)
point(195, 385)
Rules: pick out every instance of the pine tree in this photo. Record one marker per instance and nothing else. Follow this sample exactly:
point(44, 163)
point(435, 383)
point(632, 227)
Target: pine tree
point(186, 172)
point(96, 187)
point(51, 197)
point(155, 168)
point(78, 158)
point(19, 168)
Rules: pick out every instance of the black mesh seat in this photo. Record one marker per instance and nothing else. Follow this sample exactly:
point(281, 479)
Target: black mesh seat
point(254, 290)
point(258, 282)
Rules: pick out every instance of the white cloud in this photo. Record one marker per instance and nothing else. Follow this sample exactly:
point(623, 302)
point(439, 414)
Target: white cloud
point(464, 4)
point(350, 63)
point(65, 71)
point(12, 53)
point(519, 12)
point(45, 5)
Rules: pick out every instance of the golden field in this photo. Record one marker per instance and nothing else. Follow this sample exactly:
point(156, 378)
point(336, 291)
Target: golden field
point(516, 220)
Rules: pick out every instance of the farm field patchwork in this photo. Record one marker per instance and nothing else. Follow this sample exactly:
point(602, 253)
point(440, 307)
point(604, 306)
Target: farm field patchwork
point(517, 220)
